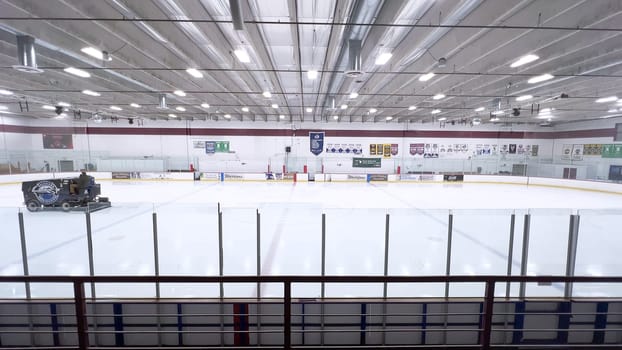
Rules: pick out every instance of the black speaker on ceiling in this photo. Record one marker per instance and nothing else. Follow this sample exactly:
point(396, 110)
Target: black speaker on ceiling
point(288, 149)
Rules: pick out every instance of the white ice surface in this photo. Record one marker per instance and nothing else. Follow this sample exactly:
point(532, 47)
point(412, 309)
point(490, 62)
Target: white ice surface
point(291, 218)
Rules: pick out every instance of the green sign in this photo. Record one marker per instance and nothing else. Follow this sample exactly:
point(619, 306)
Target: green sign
point(612, 151)
point(366, 162)
point(222, 146)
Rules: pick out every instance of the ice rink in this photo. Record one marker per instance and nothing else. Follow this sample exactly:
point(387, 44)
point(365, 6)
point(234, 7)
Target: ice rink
point(291, 235)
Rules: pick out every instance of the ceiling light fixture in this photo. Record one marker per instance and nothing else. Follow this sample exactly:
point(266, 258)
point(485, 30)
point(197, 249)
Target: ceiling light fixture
point(91, 51)
point(3, 108)
point(524, 98)
point(540, 78)
point(179, 93)
point(607, 99)
point(5, 92)
point(63, 104)
point(412, 108)
point(524, 60)
point(115, 108)
point(312, 74)
point(438, 96)
point(495, 119)
point(436, 111)
point(354, 94)
point(344, 106)
point(309, 109)
point(383, 58)
point(194, 72)
point(78, 72)
point(274, 105)
point(389, 118)
point(135, 105)
point(281, 116)
point(442, 119)
point(498, 113)
point(267, 94)
point(427, 77)
point(91, 93)
point(48, 107)
point(228, 116)
point(205, 105)
point(180, 108)
point(612, 110)
point(172, 115)
point(479, 109)
point(242, 55)
point(335, 117)
point(244, 109)
point(373, 110)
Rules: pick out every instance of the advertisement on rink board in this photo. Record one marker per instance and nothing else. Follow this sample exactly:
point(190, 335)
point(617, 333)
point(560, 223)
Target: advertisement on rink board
point(453, 177)
point(377, 177)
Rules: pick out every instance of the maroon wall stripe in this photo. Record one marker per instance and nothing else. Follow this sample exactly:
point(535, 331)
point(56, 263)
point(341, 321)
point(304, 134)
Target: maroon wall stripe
point(304, 132)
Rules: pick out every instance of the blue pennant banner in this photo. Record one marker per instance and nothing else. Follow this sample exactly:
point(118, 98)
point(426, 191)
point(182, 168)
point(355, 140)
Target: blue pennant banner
point(316, 141)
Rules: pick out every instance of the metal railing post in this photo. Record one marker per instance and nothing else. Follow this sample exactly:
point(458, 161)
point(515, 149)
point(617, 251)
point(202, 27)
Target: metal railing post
point(22, 238)
point(89, 241)
point(287, 315)
point(220, 273)
point(323, 286)
point(259, 340)
point(524, 255)
point(386, 284)
point(510, 253)
point(571, 256)
point(450, 225)
point(156, 254)
point(82, 326)
point(489, 300)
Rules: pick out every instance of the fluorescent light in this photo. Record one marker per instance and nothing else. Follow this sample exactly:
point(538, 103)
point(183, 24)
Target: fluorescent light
point(613, 110)
point(344, 106)
point(135, 105)
point(309, 109)
point(544, 116)
point(620, 103)
point(115, 108)
point(442, 119)
point(426, 77)
point(180, 108)
point(91, 51)
point(524, 60)
point(540, 78)
point(312, 74)
point(267, 94)
point(383, 58)
point(498, 113)
point(354, 94)
point(438, 96)
point(91, 93)
point(546, 110)
point(274, 105)
point(51, 108)
point(607, 99)
point(179, 93)
point(242, 55)
point(281, 116)
point(63, 104)
point(389, 118)
point(524, 98)
point(228, 116)
point(412, 108)
point(244, 109)
point(172, 115)
point(61, 116)
point(205, 105)
point(436, 111)
point(335, 117)
point(3, 108)
point(495, 119)
point(195, 73)
point(479, 109)
point(78, 72)
point(5, 92)
point(373, 110)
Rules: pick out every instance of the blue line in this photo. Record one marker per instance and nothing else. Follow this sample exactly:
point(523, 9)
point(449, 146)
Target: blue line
point(600, 322)
point(54, 324)
point(363, 324)
point(118, 324)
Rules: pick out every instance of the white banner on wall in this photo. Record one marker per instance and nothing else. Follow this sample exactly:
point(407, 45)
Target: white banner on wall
point(567, 152)
point(577, 152)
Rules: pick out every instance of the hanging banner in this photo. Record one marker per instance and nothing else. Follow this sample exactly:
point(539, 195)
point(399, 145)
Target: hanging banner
point(534, 150)
point(394, 149)
point(210, 147)
point(387, 150)
point(612, 151)
point(316, 141)
point(57, 141)
point(567, 152)
point(592, 150)
point(372, 149)
point(416, 149)
point(577, 152)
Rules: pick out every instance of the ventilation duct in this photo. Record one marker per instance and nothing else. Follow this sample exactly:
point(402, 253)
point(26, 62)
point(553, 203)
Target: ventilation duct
point(332, 102)
point(26, 55)
point(236, 14)
point(162, 101)
point(354, 59)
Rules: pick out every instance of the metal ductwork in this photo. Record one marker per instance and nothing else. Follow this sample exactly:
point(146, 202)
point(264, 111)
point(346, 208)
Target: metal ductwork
point(355, 60)
point(26, 55)
point(236, 14)
point(162, 101)
point(331, 103)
